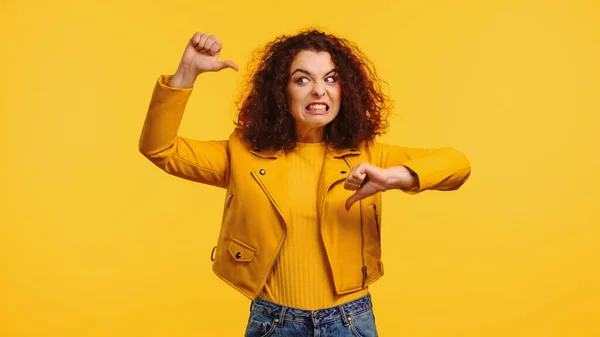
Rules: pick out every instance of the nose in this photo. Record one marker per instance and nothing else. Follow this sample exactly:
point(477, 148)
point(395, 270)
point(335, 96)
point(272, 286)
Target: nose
point(318, 90)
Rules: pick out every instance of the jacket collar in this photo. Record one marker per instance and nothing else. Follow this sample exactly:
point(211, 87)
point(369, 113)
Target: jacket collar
point(274, 154)
point(339, 153)
point(267, 153)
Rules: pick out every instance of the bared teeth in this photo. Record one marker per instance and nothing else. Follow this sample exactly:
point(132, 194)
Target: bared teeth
point(317, 107)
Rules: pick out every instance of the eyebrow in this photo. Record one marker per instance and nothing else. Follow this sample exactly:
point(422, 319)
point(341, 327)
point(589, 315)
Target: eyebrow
point(300, 70)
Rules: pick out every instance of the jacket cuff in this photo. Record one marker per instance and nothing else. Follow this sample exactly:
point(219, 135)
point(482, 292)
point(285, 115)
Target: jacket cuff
point(165, 94)
point(438, 171)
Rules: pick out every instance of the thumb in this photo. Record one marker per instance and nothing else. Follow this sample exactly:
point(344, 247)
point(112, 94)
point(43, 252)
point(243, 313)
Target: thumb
point(227, 64)
point(353, 198)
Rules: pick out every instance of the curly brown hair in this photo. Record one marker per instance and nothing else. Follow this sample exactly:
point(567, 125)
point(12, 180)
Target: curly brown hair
point(264, 118)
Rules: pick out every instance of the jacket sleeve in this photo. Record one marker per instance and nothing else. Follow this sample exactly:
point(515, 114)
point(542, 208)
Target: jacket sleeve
point(443, 169)
point(201, 161)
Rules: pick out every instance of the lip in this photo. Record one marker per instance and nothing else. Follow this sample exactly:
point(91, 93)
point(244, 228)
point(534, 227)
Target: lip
point(317, 112)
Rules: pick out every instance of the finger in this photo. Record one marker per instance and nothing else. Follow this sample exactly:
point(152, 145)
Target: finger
point(357, 174)
point(215, 47)
point(227, 64)
point(356, 179)
point(202, 41)
point(351, 186)
point(209, 42)
point(195, 39)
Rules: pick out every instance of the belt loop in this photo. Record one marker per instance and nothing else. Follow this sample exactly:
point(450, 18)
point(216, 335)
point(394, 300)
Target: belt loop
point(343, 314)
point(279, 321)
point(251, 306)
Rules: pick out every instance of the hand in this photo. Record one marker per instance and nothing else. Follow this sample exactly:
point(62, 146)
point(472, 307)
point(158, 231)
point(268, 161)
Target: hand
point(201, 55)
point(367, 180)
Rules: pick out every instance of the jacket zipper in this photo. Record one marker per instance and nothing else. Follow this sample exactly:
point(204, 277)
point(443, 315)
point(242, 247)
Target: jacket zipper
point(362, 240)
point(227, 203)
point(364, 268)
point(376, 220)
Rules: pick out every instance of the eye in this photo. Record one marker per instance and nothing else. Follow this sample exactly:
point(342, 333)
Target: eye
point(331, 79)
point(302, 80)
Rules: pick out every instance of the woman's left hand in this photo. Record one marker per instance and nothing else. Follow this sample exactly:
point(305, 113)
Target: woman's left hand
point(367, 180)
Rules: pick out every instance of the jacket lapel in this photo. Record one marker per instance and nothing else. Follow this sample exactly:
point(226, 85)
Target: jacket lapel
point(272, 176)
point(335, 168)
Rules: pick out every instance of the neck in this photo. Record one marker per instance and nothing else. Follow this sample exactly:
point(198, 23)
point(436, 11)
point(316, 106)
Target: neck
point(310, 135)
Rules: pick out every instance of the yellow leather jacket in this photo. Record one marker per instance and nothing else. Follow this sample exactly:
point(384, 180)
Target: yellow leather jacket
point(256, 204)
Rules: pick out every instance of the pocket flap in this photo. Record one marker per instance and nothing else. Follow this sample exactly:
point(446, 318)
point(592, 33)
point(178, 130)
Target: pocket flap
point(240, 251)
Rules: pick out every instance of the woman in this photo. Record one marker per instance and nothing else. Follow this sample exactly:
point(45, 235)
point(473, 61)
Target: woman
point(300, 233)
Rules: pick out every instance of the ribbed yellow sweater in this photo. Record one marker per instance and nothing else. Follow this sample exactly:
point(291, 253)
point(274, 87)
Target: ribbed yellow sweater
point(300, 277)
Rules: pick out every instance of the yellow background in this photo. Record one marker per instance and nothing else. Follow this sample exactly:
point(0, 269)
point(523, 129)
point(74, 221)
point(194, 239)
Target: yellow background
point(96, 241)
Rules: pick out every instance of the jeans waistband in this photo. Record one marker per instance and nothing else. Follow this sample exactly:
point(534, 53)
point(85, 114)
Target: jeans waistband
point(343, 311)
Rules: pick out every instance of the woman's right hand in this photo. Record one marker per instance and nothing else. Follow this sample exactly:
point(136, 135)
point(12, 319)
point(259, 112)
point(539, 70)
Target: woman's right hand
point(201, 55)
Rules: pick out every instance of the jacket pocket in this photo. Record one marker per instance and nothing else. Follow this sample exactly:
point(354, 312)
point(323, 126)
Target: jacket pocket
point(240, 251)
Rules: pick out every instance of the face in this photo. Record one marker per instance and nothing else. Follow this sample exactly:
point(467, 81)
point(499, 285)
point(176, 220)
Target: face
point(314, 92)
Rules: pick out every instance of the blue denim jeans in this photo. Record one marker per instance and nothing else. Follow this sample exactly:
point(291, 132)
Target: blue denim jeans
point(352, 319)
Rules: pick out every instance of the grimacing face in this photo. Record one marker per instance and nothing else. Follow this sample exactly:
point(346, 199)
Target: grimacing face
point(314, 92)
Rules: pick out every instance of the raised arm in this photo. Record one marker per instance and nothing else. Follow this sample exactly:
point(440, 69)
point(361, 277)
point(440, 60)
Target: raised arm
point(202, 161)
